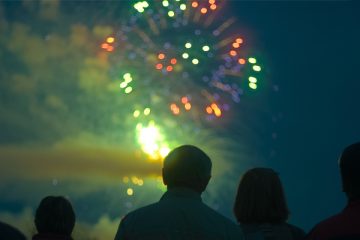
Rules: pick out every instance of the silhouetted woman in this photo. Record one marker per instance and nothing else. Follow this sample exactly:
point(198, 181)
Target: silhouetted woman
point(261, 209)
point(54, 219)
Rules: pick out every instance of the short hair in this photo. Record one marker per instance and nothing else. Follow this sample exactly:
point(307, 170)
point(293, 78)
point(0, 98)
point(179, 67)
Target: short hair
point(260, 198)
point(187, 166)
point(349, 163)
point(55, 215)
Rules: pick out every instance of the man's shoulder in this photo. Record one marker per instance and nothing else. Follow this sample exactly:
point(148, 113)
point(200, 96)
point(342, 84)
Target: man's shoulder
point(131, 219)
point(219, 216)
point(148, 209)
point(329, 223)
point(326, 227)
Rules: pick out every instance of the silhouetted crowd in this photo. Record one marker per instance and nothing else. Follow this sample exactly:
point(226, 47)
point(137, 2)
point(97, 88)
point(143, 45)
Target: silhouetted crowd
point(260, 207)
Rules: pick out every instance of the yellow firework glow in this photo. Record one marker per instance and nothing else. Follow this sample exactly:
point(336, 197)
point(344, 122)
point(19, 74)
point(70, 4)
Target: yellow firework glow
point(152, 141)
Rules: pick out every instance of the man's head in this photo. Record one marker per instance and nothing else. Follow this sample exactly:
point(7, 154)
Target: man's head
point(187, 166)
point(350, 170)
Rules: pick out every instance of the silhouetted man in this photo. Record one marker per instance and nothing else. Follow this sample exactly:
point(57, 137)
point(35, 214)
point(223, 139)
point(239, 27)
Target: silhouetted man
point(345, 225)
point(8, 232)
point(180, 213)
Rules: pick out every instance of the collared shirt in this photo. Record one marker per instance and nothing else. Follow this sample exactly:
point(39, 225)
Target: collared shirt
point(345, 225)
point(180, 214)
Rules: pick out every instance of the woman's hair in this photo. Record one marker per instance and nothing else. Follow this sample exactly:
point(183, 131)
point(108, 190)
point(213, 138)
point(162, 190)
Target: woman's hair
point(55, 215)
point(260, 198)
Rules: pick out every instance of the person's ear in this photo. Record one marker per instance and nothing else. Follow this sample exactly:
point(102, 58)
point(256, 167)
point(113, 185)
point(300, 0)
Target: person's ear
point(208, 180)
point(164, 177)
point(204, 182)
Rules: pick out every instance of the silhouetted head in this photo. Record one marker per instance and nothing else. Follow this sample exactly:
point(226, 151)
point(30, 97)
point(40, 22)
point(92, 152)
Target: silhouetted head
point(260, 198)
point(187, 166)
point(350, 170)
point(55, 215)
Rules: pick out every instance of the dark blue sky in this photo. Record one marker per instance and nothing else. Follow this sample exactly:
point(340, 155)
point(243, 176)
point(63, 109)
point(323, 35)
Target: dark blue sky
point(313, 52)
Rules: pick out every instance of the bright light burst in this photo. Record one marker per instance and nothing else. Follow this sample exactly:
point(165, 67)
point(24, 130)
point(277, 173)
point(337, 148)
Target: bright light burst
point(152, 141)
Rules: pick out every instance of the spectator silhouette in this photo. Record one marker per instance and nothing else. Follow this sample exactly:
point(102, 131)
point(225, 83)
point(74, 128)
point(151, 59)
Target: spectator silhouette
point(261, 209)
point(54, 219)
point(345, 225)
point(8, 232)
point(180, 213)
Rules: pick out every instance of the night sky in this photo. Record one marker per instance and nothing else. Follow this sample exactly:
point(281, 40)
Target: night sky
point(314, 58)
point(298, 123)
